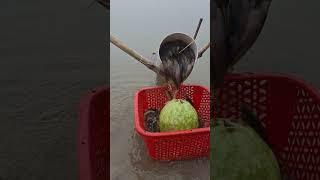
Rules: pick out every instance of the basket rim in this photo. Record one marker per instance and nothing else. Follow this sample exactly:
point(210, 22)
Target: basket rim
point(83, 132)
point(145, 133)
point(289, 77)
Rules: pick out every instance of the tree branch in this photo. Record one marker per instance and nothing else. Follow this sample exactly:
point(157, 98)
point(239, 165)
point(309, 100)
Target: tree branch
point(136, 55)
point(203, 50)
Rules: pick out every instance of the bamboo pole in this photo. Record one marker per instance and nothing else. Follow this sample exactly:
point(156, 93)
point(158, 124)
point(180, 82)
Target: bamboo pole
point(135, 55)
point(203, 50)
point(106, 4)
point(197, 30)
point(200, 53)
point(160, 74)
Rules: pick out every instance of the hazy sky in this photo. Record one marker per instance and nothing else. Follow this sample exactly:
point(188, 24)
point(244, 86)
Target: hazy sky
point(142, 24)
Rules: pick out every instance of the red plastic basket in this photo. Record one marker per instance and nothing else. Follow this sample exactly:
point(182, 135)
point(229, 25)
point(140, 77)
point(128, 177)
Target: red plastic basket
point(93, 135)
point(174, 145)
point(289, 109)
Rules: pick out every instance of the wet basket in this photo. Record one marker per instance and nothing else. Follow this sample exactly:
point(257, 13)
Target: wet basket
point(174, 145)
point(93, 135)
point(289, 109)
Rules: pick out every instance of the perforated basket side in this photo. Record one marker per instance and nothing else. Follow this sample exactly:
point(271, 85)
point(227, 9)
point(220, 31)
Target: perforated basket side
point(203, 108)
point(243, 89)
point(271, 98)
point(92, 136)
point(174, 145)
point(289, 109)
point(300, 156)
point(181, 147)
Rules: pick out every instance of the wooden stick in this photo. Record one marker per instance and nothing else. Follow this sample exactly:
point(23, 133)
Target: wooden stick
point(203, 50)
point(135, 55)
point(195, 35)
point(187, 46)
point(106, 4)
point(199, 24)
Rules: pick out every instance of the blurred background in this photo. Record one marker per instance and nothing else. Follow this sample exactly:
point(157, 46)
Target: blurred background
point(51, 53)
point(289, 42)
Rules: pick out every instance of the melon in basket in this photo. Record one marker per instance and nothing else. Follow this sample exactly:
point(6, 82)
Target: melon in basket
point(178, 114)
point(238, 152)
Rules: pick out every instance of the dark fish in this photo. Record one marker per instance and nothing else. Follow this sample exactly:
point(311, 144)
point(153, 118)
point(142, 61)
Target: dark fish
point(176, 66)
point(252, 120)
point(189, 100)
point(151, 120)
point(235, 26)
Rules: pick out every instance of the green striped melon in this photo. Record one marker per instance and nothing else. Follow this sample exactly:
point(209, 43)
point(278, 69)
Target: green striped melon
point(178, 114)
point(238, 152)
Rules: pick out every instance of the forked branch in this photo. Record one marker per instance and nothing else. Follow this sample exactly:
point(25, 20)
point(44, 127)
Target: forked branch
point(135, 55)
